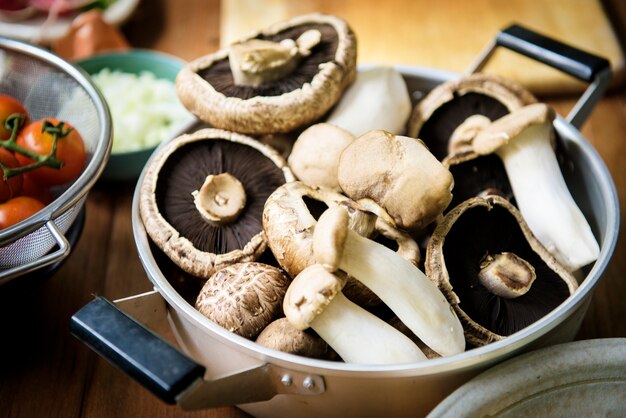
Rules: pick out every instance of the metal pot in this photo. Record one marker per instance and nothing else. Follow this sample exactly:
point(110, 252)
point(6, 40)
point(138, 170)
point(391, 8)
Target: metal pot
point(229, 370)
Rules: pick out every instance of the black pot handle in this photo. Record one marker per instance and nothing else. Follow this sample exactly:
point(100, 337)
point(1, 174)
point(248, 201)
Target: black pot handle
point(575, 62)
point(170, 374)
point(141, 354)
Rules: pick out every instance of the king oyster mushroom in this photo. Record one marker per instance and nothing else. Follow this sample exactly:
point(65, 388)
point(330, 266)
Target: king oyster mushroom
point(378, 99)
point(399, 284)
point(450, 109)
point(494, 272)
point(276, 80)
point(314, 299)
point(289, 220)
point(399, 174)
point(524, 141)
point(290, 216)
point(201, 199)
point(244, 297)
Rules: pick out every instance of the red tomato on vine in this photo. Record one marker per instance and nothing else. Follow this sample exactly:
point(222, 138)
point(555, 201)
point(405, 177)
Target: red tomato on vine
point(17, 209)
point(32, 189)
point(39, 137)
point(10, 187)
point(10, 106)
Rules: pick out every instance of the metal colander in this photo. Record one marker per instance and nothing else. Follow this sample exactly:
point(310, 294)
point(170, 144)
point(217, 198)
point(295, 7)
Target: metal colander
point(48, 86)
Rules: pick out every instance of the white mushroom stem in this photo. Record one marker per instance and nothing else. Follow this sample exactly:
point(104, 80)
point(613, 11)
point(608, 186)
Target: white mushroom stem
point(256, 61)
point(361, 337)
point(399, 284)
point(461, 138)
point(314, 299)
point(220, 199)
point(506, 275)
point(544, 199)
point(378, 99)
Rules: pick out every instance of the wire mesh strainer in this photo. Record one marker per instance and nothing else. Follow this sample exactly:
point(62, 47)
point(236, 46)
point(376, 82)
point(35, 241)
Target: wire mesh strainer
point(48, 86)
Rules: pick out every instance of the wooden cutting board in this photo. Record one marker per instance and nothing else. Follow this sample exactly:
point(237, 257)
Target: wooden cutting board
point(448, 34)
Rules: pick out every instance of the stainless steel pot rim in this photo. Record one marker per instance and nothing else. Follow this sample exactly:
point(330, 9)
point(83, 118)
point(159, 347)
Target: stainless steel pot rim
point(467, 360)
point(96, 164)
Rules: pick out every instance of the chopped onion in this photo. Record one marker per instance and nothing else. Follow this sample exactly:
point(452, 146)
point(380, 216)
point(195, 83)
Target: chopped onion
point(145, 109)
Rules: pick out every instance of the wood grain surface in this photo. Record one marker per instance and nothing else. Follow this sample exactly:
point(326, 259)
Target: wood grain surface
point(45, 372)
point(448, 34)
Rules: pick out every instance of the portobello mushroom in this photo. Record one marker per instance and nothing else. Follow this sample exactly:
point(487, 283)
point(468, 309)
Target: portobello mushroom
point(448, 107)
point(496, 275)
point(187, 195)
point(281, 78)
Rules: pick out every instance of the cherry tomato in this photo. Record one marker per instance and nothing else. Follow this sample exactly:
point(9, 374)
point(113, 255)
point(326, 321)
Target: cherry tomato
point(17, 209)
point(70, 151)
point(10, 187)
point(31, 188)
point(8, 107)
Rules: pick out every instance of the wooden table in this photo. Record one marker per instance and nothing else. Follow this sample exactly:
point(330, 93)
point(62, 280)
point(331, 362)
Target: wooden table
point(46, 372)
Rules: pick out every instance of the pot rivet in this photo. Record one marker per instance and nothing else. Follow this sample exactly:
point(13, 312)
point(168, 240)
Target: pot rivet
point(308, 383)
point(286, 380)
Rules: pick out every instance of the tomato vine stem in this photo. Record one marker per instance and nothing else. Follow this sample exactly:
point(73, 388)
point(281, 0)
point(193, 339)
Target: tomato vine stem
point(14, 123)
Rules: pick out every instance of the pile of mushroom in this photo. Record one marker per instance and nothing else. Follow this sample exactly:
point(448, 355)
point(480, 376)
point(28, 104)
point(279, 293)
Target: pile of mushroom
point(316, 252)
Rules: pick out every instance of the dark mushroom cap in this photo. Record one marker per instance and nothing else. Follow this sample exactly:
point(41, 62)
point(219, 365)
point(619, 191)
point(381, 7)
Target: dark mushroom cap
point(167, 206)
point(435, 118)
point(206, 87)
point(244, 297)
point(476, 175)
point(469, 232)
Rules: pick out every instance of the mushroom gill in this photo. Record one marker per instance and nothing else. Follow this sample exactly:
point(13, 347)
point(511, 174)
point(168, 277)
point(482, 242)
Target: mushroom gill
point(202, 198)
point(186, 171)
point(220, 76)
point(476, 175)
point(277, 80)
point(485, 228)
point(442, 123)
point(448, 106)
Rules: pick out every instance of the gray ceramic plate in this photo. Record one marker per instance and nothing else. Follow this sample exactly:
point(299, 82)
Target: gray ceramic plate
point(579, 379)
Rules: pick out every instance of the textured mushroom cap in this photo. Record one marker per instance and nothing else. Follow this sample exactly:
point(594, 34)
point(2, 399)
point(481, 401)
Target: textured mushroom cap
point(309, 294)
point(199, 251)
point(314, 158)
point(398, 173)
point(444, 108)
point(282, 336)
point(477, 227)
point(502, 130)
point(260, 111)
point(244, 297)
